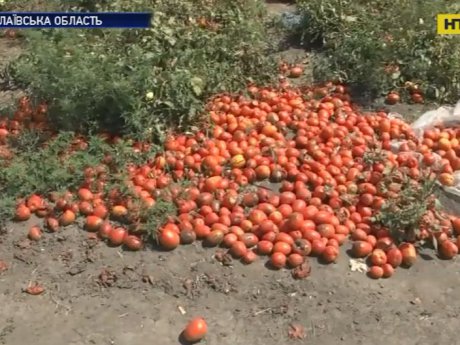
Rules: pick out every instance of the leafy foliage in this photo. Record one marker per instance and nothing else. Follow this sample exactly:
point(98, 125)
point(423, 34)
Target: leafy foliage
point(380, 45)
point(403, 215)
point(157, 216)
point(55, 165)
point(142, 81)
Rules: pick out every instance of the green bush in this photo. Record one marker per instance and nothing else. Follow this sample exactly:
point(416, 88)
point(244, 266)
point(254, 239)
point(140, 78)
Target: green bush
point(143, 81)
point(379, 45)
point(42, 164)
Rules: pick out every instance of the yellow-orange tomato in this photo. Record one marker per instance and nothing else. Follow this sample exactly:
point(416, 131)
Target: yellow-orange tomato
point(119, 211)
point(67, 218)
point(444, 144)
point(238, 161)
point(446, 179)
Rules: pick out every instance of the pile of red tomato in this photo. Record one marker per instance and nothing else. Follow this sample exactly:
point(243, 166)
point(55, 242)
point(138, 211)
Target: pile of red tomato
point(283, 173)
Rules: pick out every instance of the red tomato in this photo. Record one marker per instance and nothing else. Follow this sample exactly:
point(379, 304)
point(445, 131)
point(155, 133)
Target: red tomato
point(264, 247)
point(278, 260)
point(361, 249)
point(117, 236)
point(229, 240)
point(195, 330)
point(385, 243)
point(311, 235)
point(214, 238)
point(302, 247)
point(378, 257)
point(330, 254)
point(249, 257)
point(394, 257)
point(35, 233)
point(294, 221)
point(257, 216)
point(93, 223)
point(295, 260)
point(52, 224)
point(249, 239)
point(283, 237)
point(295, 72)
point(326, 230)
point(133, 242)
point(201, 230)
point(323, 217)
point(104, 230)
point(238, 249)
point(168, 239)
point(388, 270)
point(317, 247)
point(447, 250)
point(282, 247)
point(375, 272)
point(22, 213)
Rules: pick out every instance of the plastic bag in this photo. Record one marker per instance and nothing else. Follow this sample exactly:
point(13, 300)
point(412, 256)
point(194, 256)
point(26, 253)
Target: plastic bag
point(445, 116)
point(292, 21)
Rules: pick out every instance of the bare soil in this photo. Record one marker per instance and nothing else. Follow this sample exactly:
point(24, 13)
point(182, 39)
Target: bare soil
point(276, 7)
point(95, 294)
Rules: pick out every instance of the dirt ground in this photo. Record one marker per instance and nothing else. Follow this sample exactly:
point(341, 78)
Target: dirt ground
point(99, 295)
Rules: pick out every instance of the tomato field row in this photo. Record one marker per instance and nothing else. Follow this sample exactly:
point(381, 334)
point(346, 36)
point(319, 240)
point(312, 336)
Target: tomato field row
point(285, 173)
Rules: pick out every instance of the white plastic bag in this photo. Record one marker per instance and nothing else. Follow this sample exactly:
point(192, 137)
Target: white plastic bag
point(445, 115)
